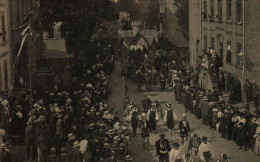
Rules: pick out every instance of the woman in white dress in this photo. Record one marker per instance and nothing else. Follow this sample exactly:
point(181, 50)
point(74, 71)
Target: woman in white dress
point(257, 138)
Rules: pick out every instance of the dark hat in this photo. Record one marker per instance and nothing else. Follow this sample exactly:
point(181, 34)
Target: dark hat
point(162, 135)
point(204, 138)
point(175, 144)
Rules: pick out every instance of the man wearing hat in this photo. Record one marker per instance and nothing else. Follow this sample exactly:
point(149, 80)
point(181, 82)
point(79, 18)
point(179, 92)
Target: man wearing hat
point(205, 150)
point(163, 148)
point(74, 155)
point(69, 143)
point(251, 132)
point(184, 128)
point(106, 153)
point(257, 138)
point(128, 158)
point(174, 153)
point(255, 94)
point(205, 110)
point(170, 116)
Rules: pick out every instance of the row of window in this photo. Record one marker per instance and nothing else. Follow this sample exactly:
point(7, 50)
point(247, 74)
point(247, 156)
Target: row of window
point(219, 12)
point(3, 28)
point(4, 76)
point(229, 56)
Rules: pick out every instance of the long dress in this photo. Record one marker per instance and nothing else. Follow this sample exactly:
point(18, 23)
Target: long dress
point(152, 116)
point(257, 141)
point(170, 116)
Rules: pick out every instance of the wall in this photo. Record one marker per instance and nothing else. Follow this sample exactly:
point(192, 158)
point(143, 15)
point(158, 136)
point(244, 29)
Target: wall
point(194, 30)
point(252, 38)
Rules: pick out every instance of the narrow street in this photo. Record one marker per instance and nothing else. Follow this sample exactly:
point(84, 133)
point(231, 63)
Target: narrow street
point(219, 145)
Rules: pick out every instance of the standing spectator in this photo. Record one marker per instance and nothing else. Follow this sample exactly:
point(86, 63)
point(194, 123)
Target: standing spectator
point(74, 155)
point(28, 140)
point(205, 151)
point(43, 147)
point(257, 138)
point(163, 148)
point(184, 129)
point(255, 94)
point(251, 131)
point(205, 110)
point(2, 135)
point(241, 135)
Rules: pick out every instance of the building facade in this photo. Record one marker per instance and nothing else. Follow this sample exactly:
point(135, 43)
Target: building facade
point(4, 47)
point(13, 13)
point(231, 28)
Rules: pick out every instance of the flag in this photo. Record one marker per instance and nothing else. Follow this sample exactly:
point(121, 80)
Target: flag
point(28, 17)
point(20, 50)
point(184, 149)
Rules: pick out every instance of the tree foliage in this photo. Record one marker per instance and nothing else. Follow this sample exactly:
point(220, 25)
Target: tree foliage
point(81, 20)
point(183, 16)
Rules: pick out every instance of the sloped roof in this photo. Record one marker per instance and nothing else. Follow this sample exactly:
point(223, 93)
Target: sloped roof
point(150, 40)
point(150, 33)
point(136, 39)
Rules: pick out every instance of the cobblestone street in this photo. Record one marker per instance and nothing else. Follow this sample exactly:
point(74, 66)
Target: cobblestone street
point(140, 155)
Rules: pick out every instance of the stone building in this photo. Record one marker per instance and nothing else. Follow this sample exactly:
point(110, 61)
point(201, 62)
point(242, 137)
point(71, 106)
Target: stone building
point(4, 47)
point(145, 41)
point(231, 28)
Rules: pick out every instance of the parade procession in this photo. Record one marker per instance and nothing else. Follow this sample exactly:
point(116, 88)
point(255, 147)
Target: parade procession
point(129, 81)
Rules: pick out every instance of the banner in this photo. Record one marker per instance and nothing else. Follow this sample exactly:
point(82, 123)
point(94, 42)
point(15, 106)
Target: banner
point(20, 51)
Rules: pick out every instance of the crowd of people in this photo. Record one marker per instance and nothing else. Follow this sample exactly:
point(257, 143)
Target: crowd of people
point(215, 109)
point(76, 118)
point(215, 106)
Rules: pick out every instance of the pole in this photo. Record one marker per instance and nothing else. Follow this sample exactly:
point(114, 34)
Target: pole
point(30, 76)
point(244, 55)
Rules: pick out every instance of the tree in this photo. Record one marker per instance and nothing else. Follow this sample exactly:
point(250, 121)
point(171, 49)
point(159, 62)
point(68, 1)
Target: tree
point(80, 18)
point(183, 16)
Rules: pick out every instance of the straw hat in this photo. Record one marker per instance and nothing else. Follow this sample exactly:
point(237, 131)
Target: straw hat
point(106, 145)
point(215, 110)
point(253, 120)
point(75, 144)
point(110, 131)
point(258, 121)
point(71, 136)
point(116, 138)
point(128, 157)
